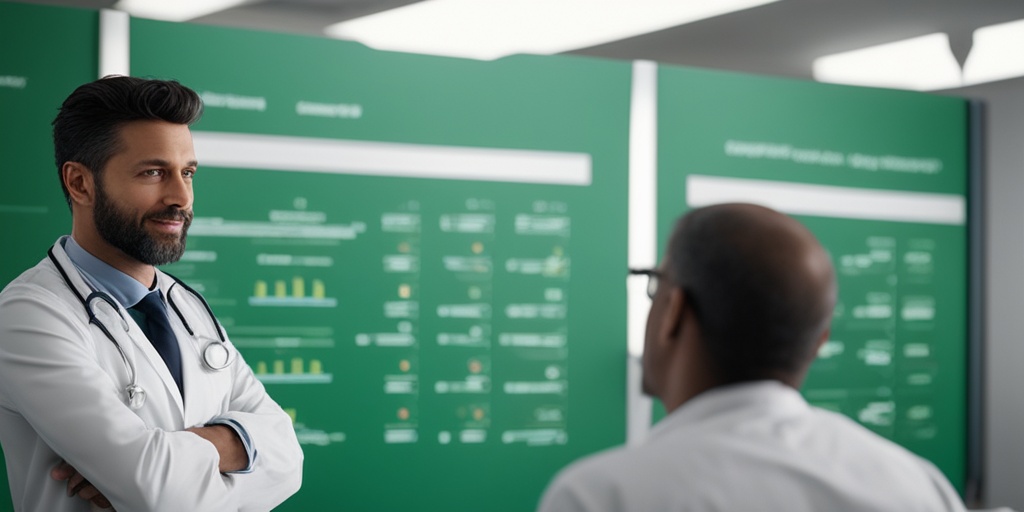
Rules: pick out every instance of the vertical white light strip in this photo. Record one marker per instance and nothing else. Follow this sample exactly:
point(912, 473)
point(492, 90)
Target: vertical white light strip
point(643, 166)
point(114, 41)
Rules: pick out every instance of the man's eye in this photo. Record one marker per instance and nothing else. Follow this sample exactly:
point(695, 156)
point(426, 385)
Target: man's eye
point(152, 172)
point(189, 173)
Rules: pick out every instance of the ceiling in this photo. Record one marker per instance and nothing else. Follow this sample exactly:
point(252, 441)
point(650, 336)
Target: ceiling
point(781, 38)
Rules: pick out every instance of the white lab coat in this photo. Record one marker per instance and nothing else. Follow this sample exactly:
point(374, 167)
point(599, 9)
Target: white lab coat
point(62, 395)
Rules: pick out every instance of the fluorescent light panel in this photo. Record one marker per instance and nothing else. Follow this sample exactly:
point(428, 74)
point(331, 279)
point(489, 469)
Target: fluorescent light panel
point(489, 29)
point(922, 63)
point(996, 54)
point(174, 10)
point(926, 63)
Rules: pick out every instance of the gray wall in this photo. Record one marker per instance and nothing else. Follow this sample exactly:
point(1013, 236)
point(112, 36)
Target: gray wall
point(1003, 379)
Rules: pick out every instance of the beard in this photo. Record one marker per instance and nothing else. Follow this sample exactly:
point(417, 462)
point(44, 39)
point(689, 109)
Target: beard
point(121, 230)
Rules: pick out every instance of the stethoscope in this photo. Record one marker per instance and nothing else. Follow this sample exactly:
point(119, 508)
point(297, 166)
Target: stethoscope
point(216, 355)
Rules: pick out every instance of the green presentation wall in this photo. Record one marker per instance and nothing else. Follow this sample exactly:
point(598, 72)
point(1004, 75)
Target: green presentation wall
point(422, 258)
point(37, 71)
point(881, 178)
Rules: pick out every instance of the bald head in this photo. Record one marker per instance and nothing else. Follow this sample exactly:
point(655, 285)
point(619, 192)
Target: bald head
point(761, 288)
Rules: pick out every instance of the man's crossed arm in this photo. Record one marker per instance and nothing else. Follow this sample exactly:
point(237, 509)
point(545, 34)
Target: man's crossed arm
point(233, 457)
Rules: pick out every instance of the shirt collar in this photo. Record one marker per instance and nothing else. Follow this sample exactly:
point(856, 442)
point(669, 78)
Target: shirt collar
point(104, 277)
point(770, 396)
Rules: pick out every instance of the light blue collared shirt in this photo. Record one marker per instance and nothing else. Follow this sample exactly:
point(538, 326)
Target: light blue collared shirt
point(105, 278)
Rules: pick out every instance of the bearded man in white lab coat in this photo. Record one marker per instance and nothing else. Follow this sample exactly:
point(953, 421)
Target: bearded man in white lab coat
point(104, 407)
point(740, 305)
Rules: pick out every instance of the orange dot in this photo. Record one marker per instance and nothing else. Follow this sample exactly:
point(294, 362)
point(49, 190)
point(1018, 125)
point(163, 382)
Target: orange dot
point(477, 247)
point(404, 365)
point(478, 414)
point(403, 413)
point(475, 366)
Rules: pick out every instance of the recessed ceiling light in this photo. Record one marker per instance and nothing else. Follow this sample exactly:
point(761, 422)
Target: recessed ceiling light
point(996, 53)
point(489, 29)
point(923, 63)
point(174, 10)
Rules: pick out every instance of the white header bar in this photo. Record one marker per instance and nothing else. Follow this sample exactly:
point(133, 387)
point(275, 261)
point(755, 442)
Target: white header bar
point(829, 201)
point(337, 156)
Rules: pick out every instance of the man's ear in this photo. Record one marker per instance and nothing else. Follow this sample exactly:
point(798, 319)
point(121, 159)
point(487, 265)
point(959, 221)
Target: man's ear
point(80, 183)
point(672, 319)
point(821, 341)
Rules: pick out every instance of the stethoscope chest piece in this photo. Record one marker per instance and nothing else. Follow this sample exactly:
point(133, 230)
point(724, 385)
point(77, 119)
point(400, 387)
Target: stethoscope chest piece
point(216, 355)
point(136, 396)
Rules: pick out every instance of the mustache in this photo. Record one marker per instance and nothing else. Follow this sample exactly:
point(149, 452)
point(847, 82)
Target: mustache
point(172, 214)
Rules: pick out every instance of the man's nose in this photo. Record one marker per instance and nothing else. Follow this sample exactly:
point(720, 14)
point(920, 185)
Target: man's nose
point(178, 191)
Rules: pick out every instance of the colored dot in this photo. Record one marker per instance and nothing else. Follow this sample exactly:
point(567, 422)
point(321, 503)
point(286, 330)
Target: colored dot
point(475, 366)
point(404, 365)
point(477, 247)
point(403, 413)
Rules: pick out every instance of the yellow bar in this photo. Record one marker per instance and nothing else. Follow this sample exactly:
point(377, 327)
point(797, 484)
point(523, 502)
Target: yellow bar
point(261, 289)
point(298, 287)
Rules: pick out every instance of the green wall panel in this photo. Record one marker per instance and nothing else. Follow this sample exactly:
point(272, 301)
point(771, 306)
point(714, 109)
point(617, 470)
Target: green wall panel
point(443, 343)
point(38, 69)
point(880, 177)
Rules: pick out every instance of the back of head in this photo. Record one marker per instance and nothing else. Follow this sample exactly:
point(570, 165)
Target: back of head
point(761, 286)
point(87, 126)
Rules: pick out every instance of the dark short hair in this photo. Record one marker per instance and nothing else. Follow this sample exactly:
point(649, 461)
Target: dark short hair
point(760, 315)
point(86, 130)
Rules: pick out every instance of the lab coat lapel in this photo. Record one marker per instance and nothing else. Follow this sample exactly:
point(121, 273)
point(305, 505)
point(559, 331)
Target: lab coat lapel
point(200, 382)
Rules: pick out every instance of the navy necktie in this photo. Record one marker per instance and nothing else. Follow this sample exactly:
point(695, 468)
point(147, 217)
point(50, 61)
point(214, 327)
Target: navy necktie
point(158, 329)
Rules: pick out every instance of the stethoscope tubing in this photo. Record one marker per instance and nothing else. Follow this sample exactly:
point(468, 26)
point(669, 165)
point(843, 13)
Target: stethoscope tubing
point(95, 321)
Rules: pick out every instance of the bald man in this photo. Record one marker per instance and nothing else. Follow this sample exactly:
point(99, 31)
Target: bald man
point(740, 305)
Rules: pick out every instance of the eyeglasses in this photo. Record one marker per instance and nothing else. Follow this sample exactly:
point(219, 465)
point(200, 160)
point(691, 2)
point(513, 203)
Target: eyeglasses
point(652, 278)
